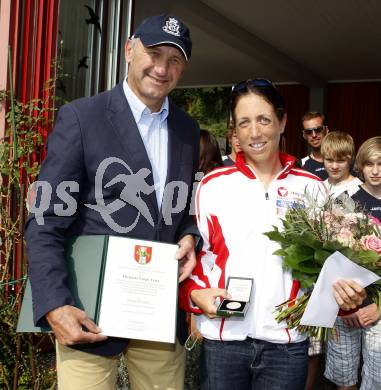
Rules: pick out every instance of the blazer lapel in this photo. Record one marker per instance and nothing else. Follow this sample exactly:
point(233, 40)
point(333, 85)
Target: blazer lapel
point(175, 146)
point(126, 129)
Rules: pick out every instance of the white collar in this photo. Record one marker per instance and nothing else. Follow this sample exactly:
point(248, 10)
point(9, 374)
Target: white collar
point(139, 109)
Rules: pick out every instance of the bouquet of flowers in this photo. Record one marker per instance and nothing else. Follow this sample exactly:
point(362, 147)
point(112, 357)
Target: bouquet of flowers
point(311, 233)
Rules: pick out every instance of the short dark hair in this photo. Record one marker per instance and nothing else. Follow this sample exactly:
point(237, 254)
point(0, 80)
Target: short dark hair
point(312, 115)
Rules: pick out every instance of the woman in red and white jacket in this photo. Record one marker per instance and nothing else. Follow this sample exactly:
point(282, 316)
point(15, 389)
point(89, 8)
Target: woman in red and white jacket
point(234, 207)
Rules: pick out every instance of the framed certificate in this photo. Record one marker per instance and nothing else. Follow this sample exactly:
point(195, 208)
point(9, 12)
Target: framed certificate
point(138, 290)
point(127, 286)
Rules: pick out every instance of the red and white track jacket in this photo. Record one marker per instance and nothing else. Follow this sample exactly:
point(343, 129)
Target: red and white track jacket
point(233, 210)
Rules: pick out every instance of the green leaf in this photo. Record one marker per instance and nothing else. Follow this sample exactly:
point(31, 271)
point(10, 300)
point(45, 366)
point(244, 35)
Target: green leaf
point(299, 252)
point(280, 252)
point(332, 246)
point(367, 257)
point(321, 255)
point(310, 268)
point(276, 235)
point(306, 239)
point(310, 240)
point(306, 281)
point(295, 255)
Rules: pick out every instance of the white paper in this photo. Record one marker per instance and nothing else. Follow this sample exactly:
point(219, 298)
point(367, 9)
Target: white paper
point(239, 289)
point(322, 308)
point(139, 299)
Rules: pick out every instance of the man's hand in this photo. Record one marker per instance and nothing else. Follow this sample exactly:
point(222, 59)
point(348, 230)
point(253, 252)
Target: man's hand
point(68, 323)
point(348, 294)
point(187, 256)
point(351, 320)
point(369, 314)
point(205, 299)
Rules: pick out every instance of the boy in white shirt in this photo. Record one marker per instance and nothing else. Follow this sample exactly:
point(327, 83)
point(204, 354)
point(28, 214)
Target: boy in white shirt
point(338, 151)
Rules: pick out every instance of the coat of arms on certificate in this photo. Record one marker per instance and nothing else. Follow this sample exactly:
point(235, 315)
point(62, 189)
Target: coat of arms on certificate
point(143, 254)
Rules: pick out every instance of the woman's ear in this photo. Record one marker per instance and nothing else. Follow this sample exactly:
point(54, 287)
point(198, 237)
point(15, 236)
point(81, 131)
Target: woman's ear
point(283, 123)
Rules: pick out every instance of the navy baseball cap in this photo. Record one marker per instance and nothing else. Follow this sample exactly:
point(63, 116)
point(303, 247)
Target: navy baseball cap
point(165, 29)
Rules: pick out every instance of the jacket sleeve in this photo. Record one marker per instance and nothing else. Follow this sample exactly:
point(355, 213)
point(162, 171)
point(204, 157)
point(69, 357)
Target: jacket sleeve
point(201, 275)
point(46, 232)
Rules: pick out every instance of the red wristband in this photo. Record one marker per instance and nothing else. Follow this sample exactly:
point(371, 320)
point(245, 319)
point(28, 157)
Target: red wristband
point(347, 312)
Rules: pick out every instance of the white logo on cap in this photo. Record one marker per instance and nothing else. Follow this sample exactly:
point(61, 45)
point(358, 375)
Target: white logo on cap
point(172, 27)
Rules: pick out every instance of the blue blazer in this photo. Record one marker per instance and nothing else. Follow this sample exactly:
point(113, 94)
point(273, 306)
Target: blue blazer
point(86, 132)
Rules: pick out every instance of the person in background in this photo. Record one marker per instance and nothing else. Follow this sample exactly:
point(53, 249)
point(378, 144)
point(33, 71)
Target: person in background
point(234, 207)
point(229, 159)
point(338, 152)
point(360, 332)
point(314, 131)
point(210, 155)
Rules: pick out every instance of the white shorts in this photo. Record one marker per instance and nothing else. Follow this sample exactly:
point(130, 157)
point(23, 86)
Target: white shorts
point(343, 356)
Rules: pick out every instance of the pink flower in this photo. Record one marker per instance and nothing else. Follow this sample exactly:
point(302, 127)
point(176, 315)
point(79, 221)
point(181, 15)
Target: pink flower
point(372, 243)
point(345, 237)
point(328, 217)
point(336, 228)
point(350, 219)
point(375, 220)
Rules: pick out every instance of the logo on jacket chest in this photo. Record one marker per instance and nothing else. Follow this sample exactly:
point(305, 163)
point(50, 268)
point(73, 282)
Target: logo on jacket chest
point(287, 199)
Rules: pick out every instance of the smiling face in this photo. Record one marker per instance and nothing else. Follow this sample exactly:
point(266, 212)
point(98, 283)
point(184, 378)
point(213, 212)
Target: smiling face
point(153, 72)
point(258, 130)
point(315, 137)
point(338, 168)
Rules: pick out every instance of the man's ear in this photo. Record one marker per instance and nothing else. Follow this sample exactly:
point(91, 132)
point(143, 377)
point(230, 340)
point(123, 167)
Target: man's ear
point(128, 49)
point(183, 70)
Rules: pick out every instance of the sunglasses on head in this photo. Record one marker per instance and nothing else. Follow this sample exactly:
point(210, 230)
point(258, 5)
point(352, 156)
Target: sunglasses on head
point(243, 85)
point(316, 130)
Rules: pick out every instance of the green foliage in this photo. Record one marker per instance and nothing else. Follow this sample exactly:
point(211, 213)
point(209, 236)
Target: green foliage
point(209, 106)
point(19, 350)
point(20, 357)
point(28, 118)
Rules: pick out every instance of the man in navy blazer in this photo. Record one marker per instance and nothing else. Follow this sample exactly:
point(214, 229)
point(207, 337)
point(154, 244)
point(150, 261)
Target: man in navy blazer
point(132, 132)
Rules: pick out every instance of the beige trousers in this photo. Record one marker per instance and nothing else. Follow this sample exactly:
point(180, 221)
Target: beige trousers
point(151, 365)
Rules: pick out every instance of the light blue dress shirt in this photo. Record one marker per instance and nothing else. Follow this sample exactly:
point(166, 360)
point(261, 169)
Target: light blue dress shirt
point(154, 132)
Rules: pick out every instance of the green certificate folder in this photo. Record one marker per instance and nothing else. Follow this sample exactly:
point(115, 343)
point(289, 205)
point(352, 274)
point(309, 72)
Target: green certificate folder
point(85, 256)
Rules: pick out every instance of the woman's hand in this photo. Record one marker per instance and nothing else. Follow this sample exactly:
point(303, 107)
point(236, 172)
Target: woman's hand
point(205, 299)
point(348, 294)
